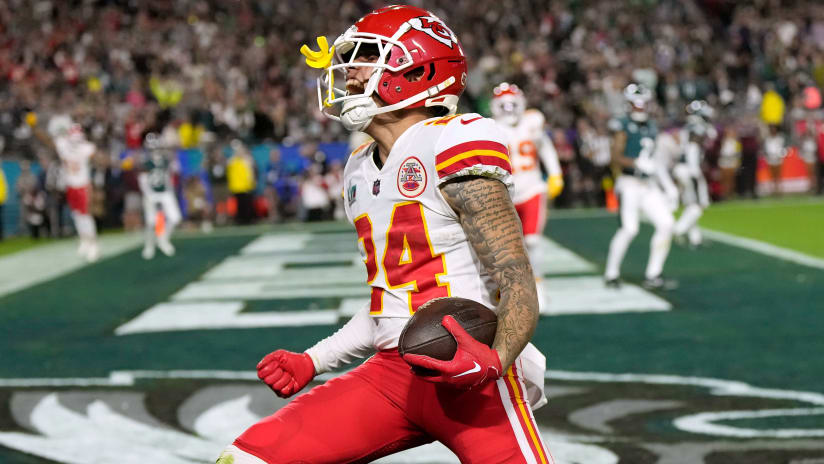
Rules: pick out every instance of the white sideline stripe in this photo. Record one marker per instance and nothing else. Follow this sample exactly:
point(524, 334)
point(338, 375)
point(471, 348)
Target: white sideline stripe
point(23, 269)
point(765, 248)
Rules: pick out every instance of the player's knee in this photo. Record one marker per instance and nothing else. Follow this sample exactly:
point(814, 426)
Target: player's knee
point(665, 225)
point(234, 455)
point(629, 230)
point(532, 241)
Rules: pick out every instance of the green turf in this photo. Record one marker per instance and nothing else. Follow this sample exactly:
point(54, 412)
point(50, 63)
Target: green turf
point(736, 315)
point(794, 223)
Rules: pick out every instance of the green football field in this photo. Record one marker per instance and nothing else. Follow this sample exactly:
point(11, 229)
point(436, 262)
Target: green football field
point(794, 223)
point(133, 361)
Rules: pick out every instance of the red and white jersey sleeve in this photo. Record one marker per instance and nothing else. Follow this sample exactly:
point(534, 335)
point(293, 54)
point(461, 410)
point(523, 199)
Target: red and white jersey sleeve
point(413, 247)
point(528, 146)
point(472, 145)
point(75, 157)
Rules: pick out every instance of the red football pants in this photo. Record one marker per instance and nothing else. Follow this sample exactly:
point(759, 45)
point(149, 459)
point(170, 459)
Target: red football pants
point(532, 214)
point(380, 408)
point(78, 199)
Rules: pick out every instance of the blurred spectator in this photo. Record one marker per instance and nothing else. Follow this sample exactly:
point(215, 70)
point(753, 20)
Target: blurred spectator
point(52, 181)
point(314, 194)
point(750, 149)
point(274, 173)
point(807, 133)
point(4, 192)
point(729, 161)
point(132, 198)
point(775, 150)
point(595, 160)
point(240, 175)
point(216, 175)
point(334, 189)
point(197, 205)
point(32, 201)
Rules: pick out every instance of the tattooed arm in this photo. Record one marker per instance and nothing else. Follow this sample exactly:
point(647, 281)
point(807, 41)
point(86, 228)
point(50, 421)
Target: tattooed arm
point(491, 224)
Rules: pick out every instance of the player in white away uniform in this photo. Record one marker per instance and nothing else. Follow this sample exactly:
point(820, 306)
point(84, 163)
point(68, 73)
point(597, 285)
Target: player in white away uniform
point(528, 145)
point(75, 152)
point(156, 185)
point(688, 173)
point(430, 202)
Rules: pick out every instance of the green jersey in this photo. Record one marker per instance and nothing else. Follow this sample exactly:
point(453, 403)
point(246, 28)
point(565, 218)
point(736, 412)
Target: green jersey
point(157, 170)
point(640, 136)
point(640, 139)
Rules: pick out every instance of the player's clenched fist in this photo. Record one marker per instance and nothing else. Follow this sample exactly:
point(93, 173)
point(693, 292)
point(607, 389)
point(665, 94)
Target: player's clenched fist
point(285, 372)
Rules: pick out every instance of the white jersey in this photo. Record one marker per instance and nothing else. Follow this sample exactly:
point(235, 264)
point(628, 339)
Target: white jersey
point(410, 239)
point(528, 144)
point(670, 148)
point(75, 155)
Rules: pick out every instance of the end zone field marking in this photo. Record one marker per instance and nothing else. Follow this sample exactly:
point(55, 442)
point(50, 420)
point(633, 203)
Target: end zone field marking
point(702, 423)
point(764, 248)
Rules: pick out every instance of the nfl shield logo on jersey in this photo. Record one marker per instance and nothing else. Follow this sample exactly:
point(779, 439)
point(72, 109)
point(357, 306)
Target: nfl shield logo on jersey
point(351, 194)
point(411, 177)
point(376, 187)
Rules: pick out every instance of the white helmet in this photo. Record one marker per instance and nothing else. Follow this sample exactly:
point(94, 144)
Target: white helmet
point(508, 103)
point(699, 117)
point(59, 125)
point(700, 108)
point(638, 96)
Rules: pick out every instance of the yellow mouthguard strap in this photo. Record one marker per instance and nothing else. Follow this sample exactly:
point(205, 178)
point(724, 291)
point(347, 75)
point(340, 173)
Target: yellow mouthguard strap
point(321, 59)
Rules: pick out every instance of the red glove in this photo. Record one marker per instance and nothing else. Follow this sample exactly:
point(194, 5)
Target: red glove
point(473, 365)
point(285, 372)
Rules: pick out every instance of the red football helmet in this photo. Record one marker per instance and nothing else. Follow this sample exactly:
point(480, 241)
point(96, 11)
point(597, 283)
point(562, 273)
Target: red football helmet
point(419, 64)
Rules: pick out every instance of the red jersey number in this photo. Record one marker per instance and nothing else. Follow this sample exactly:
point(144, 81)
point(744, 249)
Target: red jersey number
point(408, 259)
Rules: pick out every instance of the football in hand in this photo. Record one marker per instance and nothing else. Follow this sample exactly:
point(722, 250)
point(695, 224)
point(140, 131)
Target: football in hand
point(424, 334)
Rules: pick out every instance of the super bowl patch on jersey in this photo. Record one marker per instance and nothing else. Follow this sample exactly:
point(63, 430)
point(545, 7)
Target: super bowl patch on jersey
point(411, 177)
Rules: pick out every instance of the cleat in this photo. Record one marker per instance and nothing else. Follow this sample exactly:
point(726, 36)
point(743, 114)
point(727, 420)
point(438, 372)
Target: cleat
point(612, 283)
point(166, 247)
point(148, 253)
point(659, 283)
point(92, 253)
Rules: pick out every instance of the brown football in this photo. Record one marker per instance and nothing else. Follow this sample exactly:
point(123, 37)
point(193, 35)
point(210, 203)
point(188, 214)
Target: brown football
point(424, 334)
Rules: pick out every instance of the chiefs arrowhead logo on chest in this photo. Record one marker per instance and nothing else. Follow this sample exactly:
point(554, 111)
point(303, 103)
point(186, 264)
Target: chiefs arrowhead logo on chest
point(411, 177)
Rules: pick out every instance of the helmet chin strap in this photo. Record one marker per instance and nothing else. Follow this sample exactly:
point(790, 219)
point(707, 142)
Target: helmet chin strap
point(357, 113)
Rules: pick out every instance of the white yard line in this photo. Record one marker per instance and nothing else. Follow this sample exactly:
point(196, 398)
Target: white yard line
point(764, 248)
point(25, 268)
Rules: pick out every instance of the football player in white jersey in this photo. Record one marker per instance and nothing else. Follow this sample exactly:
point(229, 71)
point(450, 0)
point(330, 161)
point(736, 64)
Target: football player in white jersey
point(158, 197)
point(430, 203)
point(688, 173)
point(75, 152)
point(643, 185)
point(528, 145)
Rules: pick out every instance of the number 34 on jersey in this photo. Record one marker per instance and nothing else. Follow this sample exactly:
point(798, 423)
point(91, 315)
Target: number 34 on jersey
point(412, 243)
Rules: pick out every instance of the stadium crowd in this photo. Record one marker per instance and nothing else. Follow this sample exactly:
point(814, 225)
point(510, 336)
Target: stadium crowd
point(207, 73)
